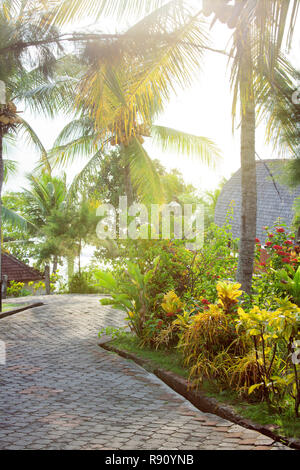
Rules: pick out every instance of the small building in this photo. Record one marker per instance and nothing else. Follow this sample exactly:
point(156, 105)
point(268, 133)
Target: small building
point(17, 271)
point(274, 199)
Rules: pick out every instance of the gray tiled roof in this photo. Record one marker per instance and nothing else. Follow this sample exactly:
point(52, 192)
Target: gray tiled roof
point(273, 199)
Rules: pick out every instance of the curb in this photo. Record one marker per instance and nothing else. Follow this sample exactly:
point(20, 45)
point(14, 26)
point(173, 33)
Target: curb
point(199, 399)
point(17, 310)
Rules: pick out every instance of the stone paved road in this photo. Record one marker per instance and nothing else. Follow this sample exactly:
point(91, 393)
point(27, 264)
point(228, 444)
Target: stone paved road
point(59, 390)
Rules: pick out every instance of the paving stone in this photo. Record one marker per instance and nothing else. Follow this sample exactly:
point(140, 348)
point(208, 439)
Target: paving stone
point(59, 390)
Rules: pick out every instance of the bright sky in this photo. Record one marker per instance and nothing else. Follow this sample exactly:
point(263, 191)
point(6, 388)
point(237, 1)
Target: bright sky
point(204, 109)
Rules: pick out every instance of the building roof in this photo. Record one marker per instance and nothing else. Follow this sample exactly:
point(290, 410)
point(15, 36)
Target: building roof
point(18, 271)
point(273, 198)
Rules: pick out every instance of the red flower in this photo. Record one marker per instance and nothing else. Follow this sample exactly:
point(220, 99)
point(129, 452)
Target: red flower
point(282, 253)
point(269, 244)
point(280, 230)
point(277, 247)
point(262, 264)
point(285, 260)
point(288, 242)
point(205, 301)
point(257, 240)
point(270, 235)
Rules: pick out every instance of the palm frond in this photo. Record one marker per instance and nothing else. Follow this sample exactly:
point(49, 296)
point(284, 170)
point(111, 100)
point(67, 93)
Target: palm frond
point(84, 175)
point(77, 139)
point(266, 23)
point(32, 139)
point(143, 174)
point(71, 10)
point(9, 168)
point(183, 143)
point(51, 97)
point(16, 220)
point(274, 104)
point(133, 88)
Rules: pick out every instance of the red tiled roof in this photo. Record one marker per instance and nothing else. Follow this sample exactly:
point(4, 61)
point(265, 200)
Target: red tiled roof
point(16, 270)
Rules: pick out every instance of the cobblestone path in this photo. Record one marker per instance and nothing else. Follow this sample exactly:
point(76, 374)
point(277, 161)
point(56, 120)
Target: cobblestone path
point(60, 390)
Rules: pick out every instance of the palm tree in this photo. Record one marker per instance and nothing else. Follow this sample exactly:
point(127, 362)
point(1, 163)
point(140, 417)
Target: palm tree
point(123, 90)
point(14, 62)
point(257, 66)
point(61, 222)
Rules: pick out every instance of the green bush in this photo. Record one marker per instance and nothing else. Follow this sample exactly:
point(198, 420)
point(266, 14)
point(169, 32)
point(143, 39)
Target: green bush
point(83, 283)
point(16, 289)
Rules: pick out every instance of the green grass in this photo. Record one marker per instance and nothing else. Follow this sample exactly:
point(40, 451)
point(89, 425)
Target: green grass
point(288, 424)
point(10, 306)
point(169, 360)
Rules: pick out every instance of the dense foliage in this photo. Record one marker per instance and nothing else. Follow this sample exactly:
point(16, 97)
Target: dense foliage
point(175, 298)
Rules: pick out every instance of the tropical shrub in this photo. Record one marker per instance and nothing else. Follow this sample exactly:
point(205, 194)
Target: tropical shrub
point(274, 333)
point(17, 289)
point(289, 281)
point(244, 372)
point(216, 260)
point(228, 295)
point(129, 293)
point(210, 341)
point(277, 268)
point(83, 282)
point(280, 247)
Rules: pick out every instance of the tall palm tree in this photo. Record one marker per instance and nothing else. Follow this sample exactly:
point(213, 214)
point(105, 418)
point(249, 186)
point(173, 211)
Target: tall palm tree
point(14, 63)
point(46, 195)
point(125, 87)
point(257, 64)
point(61, 222)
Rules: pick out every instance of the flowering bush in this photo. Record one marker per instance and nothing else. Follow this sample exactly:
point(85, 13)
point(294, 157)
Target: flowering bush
point(279, 255)
point(280, 247)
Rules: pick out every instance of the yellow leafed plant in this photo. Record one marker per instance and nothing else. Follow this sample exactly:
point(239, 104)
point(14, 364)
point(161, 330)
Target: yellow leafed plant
point(228, 294)
point(172, 303)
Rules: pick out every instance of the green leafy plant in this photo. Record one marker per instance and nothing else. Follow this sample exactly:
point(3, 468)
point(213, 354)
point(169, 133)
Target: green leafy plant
point(273, 334)
point(129, 294)
point(17, 289)
point(290, 282)
point(83, 283)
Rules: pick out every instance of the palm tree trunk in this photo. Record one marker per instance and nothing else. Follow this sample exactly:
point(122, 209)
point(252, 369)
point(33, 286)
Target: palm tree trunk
point(55, 263)
point(79, 256)
point(248, 176)
point(70, 261)
point(47, 279)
